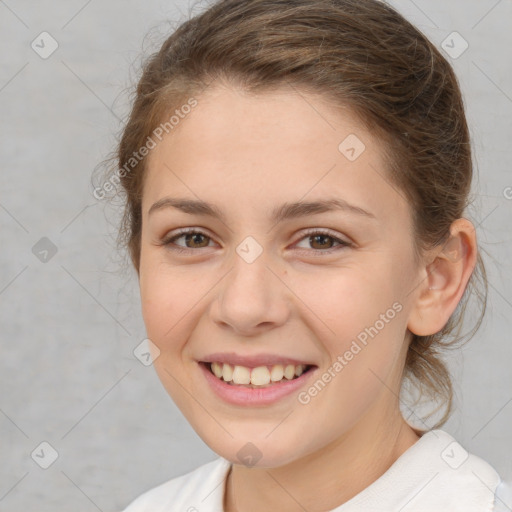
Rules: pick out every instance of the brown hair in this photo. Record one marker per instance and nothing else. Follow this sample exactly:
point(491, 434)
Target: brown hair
point(356, 53)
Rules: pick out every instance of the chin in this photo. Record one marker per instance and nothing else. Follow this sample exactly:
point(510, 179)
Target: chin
point(257, 453)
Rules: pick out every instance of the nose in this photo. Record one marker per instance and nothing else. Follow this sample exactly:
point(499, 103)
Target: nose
point(251, 298)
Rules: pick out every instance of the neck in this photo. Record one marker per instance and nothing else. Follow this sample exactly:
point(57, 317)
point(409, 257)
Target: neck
point(325, 479)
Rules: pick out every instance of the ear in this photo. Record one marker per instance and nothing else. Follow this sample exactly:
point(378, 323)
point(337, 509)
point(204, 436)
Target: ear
point(444, 279)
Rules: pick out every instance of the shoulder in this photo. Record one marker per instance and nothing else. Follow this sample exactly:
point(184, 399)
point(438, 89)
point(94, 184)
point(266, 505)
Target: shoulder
point(201, 489)
point(458, 479)
point(503, 497)
point(435, 473)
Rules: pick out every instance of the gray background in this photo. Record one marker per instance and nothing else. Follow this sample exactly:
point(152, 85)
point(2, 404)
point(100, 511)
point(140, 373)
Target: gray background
point(69, 325)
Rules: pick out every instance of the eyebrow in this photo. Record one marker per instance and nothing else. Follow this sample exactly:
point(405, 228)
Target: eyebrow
point(286, 211)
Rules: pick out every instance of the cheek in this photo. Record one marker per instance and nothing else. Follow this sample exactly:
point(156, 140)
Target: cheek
point(155, 301)
point(358, 316)
point(169, 316)
point(165, 299)
point(347, 300)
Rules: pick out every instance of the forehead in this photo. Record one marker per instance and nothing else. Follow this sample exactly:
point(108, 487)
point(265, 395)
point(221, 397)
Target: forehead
point(257, 150)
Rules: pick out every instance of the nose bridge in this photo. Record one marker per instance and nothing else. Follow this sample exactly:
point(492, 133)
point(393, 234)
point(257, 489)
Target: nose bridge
point(251, 295)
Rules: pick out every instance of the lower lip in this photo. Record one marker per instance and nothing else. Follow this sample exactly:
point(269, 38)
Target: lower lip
point(239, 395)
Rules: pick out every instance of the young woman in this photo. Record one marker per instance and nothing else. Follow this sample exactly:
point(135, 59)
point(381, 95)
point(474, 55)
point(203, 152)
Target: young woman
point(296, 176)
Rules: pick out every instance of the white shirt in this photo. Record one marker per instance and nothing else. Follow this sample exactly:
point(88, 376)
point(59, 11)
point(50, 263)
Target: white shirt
point(436, 474)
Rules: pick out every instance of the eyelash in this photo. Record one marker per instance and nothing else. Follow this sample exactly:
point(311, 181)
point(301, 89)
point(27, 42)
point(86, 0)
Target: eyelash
point(169, 241)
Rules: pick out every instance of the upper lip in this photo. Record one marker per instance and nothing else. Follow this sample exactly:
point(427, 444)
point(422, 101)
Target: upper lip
point(251, 361)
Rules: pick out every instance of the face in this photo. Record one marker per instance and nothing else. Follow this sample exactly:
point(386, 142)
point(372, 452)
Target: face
point(259, 280)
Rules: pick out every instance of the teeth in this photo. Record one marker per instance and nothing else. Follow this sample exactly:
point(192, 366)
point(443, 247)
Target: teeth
point(241, 375)
point(227, 372)
point(289, 371)
point(259, 376)
point(217, 370)
point(277, 373)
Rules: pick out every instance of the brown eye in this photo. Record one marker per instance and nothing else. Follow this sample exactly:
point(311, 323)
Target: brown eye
point(193, 239)
point(321, 241)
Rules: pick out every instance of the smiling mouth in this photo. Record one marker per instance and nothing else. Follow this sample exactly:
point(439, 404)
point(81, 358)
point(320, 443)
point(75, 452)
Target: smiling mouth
point(258, 377)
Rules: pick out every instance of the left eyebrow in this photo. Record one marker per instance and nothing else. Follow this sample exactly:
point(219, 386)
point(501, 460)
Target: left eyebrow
point(304, 208)
point(284, 212)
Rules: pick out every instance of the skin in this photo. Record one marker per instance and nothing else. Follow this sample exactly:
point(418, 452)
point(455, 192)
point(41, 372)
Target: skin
point(248, 154)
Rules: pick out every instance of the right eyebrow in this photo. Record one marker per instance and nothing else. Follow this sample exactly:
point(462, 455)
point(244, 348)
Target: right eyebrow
point(191, 206)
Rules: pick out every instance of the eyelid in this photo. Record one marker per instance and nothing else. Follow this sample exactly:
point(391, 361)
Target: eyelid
point(343, 242)
point(324, 231)
point(168, 240)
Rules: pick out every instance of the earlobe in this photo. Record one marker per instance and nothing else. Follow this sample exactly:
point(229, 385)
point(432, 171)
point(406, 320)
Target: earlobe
point(444, 279)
